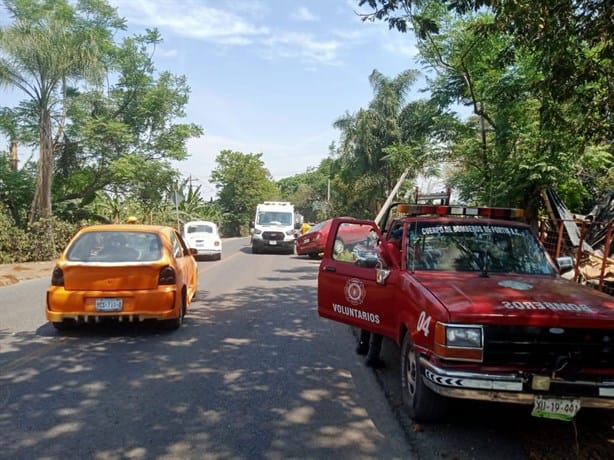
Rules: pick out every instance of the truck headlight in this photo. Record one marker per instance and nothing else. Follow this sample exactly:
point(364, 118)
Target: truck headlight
point(461, 342)
point(290, 232)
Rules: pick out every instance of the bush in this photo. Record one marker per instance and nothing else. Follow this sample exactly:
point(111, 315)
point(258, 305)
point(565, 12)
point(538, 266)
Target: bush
point(10, 236)
point(46, 238)
point(43, 240)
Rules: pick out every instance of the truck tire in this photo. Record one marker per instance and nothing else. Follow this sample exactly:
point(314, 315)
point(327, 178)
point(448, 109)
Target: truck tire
point(339, 246)
point(423, 405)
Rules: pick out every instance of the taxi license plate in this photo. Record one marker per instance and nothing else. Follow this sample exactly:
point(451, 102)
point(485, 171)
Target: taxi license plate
point(272, 243)
point(555, 408)
point(109, 304)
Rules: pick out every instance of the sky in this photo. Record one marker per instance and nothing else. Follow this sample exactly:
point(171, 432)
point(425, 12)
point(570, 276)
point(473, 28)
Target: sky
point(269, 76)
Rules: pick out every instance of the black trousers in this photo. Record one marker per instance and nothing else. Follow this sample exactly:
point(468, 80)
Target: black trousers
point(374, 342)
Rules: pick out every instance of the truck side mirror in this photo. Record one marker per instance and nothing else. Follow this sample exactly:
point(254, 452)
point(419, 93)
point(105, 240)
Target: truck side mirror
point(381, 275)
point(565, 264)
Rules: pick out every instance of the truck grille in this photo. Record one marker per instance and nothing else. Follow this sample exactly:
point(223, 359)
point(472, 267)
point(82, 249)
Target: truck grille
point(278, 236)
point(541, 348)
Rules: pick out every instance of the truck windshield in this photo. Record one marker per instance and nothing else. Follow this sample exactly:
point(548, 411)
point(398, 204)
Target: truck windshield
point(274, 218)
point(484, 248)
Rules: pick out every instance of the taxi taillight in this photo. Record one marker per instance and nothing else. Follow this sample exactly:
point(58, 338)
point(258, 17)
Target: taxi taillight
point(57, 277)
point(167, 276)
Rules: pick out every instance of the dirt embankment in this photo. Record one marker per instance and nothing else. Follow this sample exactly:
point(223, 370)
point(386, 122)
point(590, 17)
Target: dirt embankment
point(14, 273)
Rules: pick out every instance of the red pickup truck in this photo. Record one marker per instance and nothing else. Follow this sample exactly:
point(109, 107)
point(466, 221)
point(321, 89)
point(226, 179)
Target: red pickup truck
point(479, 309)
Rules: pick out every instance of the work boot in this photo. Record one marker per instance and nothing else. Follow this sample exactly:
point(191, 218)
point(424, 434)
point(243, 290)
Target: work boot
point(375, 363)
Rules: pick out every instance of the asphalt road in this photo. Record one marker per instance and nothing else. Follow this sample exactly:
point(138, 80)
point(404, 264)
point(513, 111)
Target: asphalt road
point(254, 373)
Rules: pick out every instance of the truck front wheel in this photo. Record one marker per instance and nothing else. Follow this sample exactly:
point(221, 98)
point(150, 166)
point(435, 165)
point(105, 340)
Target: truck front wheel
point(422, 404)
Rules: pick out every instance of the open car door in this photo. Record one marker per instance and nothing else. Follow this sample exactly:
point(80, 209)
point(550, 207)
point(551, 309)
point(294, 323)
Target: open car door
point(348, 287)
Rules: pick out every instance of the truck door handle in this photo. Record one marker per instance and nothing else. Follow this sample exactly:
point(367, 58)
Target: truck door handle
point(329, 269)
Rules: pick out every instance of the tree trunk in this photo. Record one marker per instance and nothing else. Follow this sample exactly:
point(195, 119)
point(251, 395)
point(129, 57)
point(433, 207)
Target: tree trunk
point(41, 205)
point(13, 158)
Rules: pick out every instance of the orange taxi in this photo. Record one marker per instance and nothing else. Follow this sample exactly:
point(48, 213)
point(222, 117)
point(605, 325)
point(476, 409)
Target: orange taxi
point(122, 272)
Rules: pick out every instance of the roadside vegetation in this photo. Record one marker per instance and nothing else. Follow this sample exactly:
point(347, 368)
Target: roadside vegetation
point(532, 80)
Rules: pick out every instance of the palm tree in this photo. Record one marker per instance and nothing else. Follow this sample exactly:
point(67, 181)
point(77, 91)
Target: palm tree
point(45, 47)
point(366, 135)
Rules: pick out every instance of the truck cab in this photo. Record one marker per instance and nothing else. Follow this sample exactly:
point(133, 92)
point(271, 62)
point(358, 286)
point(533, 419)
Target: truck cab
point(478, 309)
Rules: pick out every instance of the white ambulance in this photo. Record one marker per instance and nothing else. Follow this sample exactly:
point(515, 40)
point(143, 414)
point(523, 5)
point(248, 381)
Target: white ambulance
point(274, 227)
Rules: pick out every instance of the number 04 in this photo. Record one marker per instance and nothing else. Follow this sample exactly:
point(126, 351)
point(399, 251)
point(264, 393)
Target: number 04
point(423, 323)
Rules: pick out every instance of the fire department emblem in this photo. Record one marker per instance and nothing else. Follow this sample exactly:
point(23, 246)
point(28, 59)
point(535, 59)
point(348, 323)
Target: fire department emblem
point(354, 291)
point(515, 285)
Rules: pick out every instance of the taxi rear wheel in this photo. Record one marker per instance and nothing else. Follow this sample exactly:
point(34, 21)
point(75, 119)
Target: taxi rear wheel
point(176, 323)
point(421, 402)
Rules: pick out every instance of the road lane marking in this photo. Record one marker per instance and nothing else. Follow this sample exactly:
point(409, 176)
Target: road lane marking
point(31, 356)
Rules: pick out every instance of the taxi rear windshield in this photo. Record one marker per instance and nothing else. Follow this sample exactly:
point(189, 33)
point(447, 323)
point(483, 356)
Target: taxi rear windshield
point(475, 248)
point(115, 246)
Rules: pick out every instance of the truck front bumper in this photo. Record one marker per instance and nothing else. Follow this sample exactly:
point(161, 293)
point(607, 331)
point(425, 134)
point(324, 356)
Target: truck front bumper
point(518, 387)
point(273, 244)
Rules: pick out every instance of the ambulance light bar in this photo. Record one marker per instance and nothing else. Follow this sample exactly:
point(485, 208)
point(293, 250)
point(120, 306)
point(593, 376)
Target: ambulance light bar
point(493, 213)
point(277, 203)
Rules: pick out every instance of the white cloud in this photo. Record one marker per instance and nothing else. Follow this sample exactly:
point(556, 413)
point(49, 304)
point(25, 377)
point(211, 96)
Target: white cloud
point(303, 14)
point(244, 23)
point(191, 19)
point(401, 44)
point(304, 46)
point(167, 53)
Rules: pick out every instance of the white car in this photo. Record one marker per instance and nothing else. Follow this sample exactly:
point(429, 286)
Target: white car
point(203, 236)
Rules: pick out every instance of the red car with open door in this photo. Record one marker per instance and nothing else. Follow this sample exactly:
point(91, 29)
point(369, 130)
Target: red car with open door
point(312, 242)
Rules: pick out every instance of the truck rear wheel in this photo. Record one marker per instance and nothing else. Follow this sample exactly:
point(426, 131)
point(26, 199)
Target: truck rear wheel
point(422, 403)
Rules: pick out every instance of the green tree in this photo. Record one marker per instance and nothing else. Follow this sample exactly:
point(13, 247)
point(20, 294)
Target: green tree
point(16, 189)
point(309, 191)
point(507, 60)
point(242, 182)
point(48, 45)
point(121, 141)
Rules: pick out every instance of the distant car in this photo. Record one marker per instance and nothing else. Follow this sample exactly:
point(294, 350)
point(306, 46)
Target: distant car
point(125, 272)
point(313, 242)
point(203, 236)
